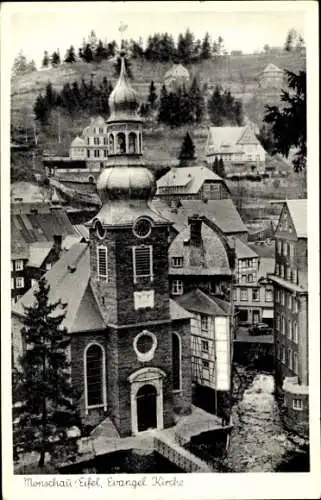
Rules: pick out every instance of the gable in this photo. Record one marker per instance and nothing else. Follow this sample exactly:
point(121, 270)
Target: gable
point(285, 225)
point(248, 137)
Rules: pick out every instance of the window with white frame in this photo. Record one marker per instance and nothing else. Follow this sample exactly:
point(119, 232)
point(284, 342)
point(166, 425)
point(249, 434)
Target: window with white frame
point(297, 404)
point(102, 264)
point(244, 294)
point(12, 283)
point(295, 332)
point(295, 275)
point(284, 248)
point(105, 153)
point(177, 287)
point(296, 305)
point(282, 271)
point(33, 282)
point(256, 294)
point(290, 329)
point(277, 322)
point(95, 383)
point(48, 266)
point(295, 363)
point(235, 294)
point(277, 269)
point(290, 301)
point(12, 265)
point(143, 262)
point(291, 250)
point(268, 295)
point(204, 345)
point(96, 153)
point(283, 354)
point(204, 322)
point(20, 282)
point(250, 278)
point(19, 265)
point(243, 278)
point(290, 361)
point(288, 273)
point(282, 297)
point(282, 325)
point(205, 369)
point(177, 261)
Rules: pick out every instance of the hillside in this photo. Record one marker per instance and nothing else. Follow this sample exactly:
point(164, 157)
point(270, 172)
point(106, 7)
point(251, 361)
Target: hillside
point(238, 73)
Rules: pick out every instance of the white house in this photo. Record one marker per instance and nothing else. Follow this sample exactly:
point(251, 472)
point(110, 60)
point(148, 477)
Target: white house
point(238, 147)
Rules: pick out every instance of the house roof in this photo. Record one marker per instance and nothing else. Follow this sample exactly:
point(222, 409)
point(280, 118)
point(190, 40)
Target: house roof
point(33, 227)
point(19, 248)
point(266, 251)
point(222, 212)
point(266, 267)
point(272, 68)
point(189, 179)
point(243, 251)
point(228, 139)
point(299, 214)
point(81, 230)
point(69, 280)
point(197, 301)
point(78, 141)
point(38, 252)
point(211, 259)
point(176, 71)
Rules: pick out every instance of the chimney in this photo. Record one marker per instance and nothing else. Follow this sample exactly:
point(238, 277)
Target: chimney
point(57, 244)
point(195, 223)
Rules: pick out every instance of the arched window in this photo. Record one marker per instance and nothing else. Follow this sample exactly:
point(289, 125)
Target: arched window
point(95, 375)
point(176, 362)
point(111, 144)
point(121, 143)
point(132, 142)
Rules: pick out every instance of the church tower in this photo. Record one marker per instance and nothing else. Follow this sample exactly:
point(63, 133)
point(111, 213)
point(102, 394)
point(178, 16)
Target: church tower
point(129, 279)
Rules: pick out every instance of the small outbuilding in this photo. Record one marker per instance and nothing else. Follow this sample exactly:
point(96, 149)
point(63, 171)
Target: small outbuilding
point(271, 77)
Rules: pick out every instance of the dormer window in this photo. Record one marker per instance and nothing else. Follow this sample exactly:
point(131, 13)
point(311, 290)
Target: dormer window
point(143, 263)
point(177, 261)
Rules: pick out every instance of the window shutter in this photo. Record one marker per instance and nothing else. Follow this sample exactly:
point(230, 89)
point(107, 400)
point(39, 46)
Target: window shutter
point(102, 268)
point(143, 262)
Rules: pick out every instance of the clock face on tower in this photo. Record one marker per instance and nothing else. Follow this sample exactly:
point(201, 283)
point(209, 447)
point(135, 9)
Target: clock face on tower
point(142, 227)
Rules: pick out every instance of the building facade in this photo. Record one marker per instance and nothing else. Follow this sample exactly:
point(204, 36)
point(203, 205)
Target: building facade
point(291, 314)
point(253, 294)
point(271, 77)
point(191, 183)
point(238, 147)
point(130, 343)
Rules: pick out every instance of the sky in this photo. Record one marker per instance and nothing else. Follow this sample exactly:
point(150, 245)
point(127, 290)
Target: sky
point(38, 27)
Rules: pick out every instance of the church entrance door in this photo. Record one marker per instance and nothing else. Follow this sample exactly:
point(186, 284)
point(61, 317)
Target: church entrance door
point(146, 408)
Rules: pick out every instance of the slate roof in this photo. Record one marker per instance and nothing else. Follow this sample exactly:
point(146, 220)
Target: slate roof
point(39, 227)
point(266, 267)
point(222, 212)
point(243, 251)
point(69, 281)
point(197, 301)
point(299, 214)
point(272, 68)
point(77, 142)
point(211, 260)
point(19, 248)
point(38, 252)
point(188, 179)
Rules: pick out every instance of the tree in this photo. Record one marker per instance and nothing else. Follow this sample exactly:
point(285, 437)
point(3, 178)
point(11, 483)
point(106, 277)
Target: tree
point(266, 48)
point(215, 107)
point(163, 106)
point(221, 168)
point(43, 383)
point(265, 136)
point(70, 55)
point(41, 109)
point(55, 58)
point(185, 46)
point(21, 66)
point(187, 152)
point(152, 96)
point(290, 39)
point(288, 124)
point(206, 47)
point(87, 54)
point(196, 101)
point(45, 60)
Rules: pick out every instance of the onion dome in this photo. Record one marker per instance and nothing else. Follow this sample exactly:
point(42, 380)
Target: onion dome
point(123, 101)
point(126, 183)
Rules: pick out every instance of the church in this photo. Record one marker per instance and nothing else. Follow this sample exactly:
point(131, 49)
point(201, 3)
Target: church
point(130, 342)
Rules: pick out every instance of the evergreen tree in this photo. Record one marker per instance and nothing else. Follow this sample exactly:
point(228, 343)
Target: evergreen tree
point(163, 106)
point(184, 107)
point(289, 123)
point(136, 48)
point(100, 52)
point(70, 55)
point(55, 58)
point(187, 152)
point(216, 107)
point(51, 95)
point(41, 110)
point(43, 383)
point(185, 46)
point(152, 96)
point(206, 47)
point(45, 60)
point(196, 101)
point(87, 54)
point(265, 136)
point(21, 66)
point(289, 42)
point(215, 167)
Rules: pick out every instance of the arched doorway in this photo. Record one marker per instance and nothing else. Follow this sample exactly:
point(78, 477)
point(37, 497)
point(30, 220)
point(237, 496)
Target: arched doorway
point(146, 408)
